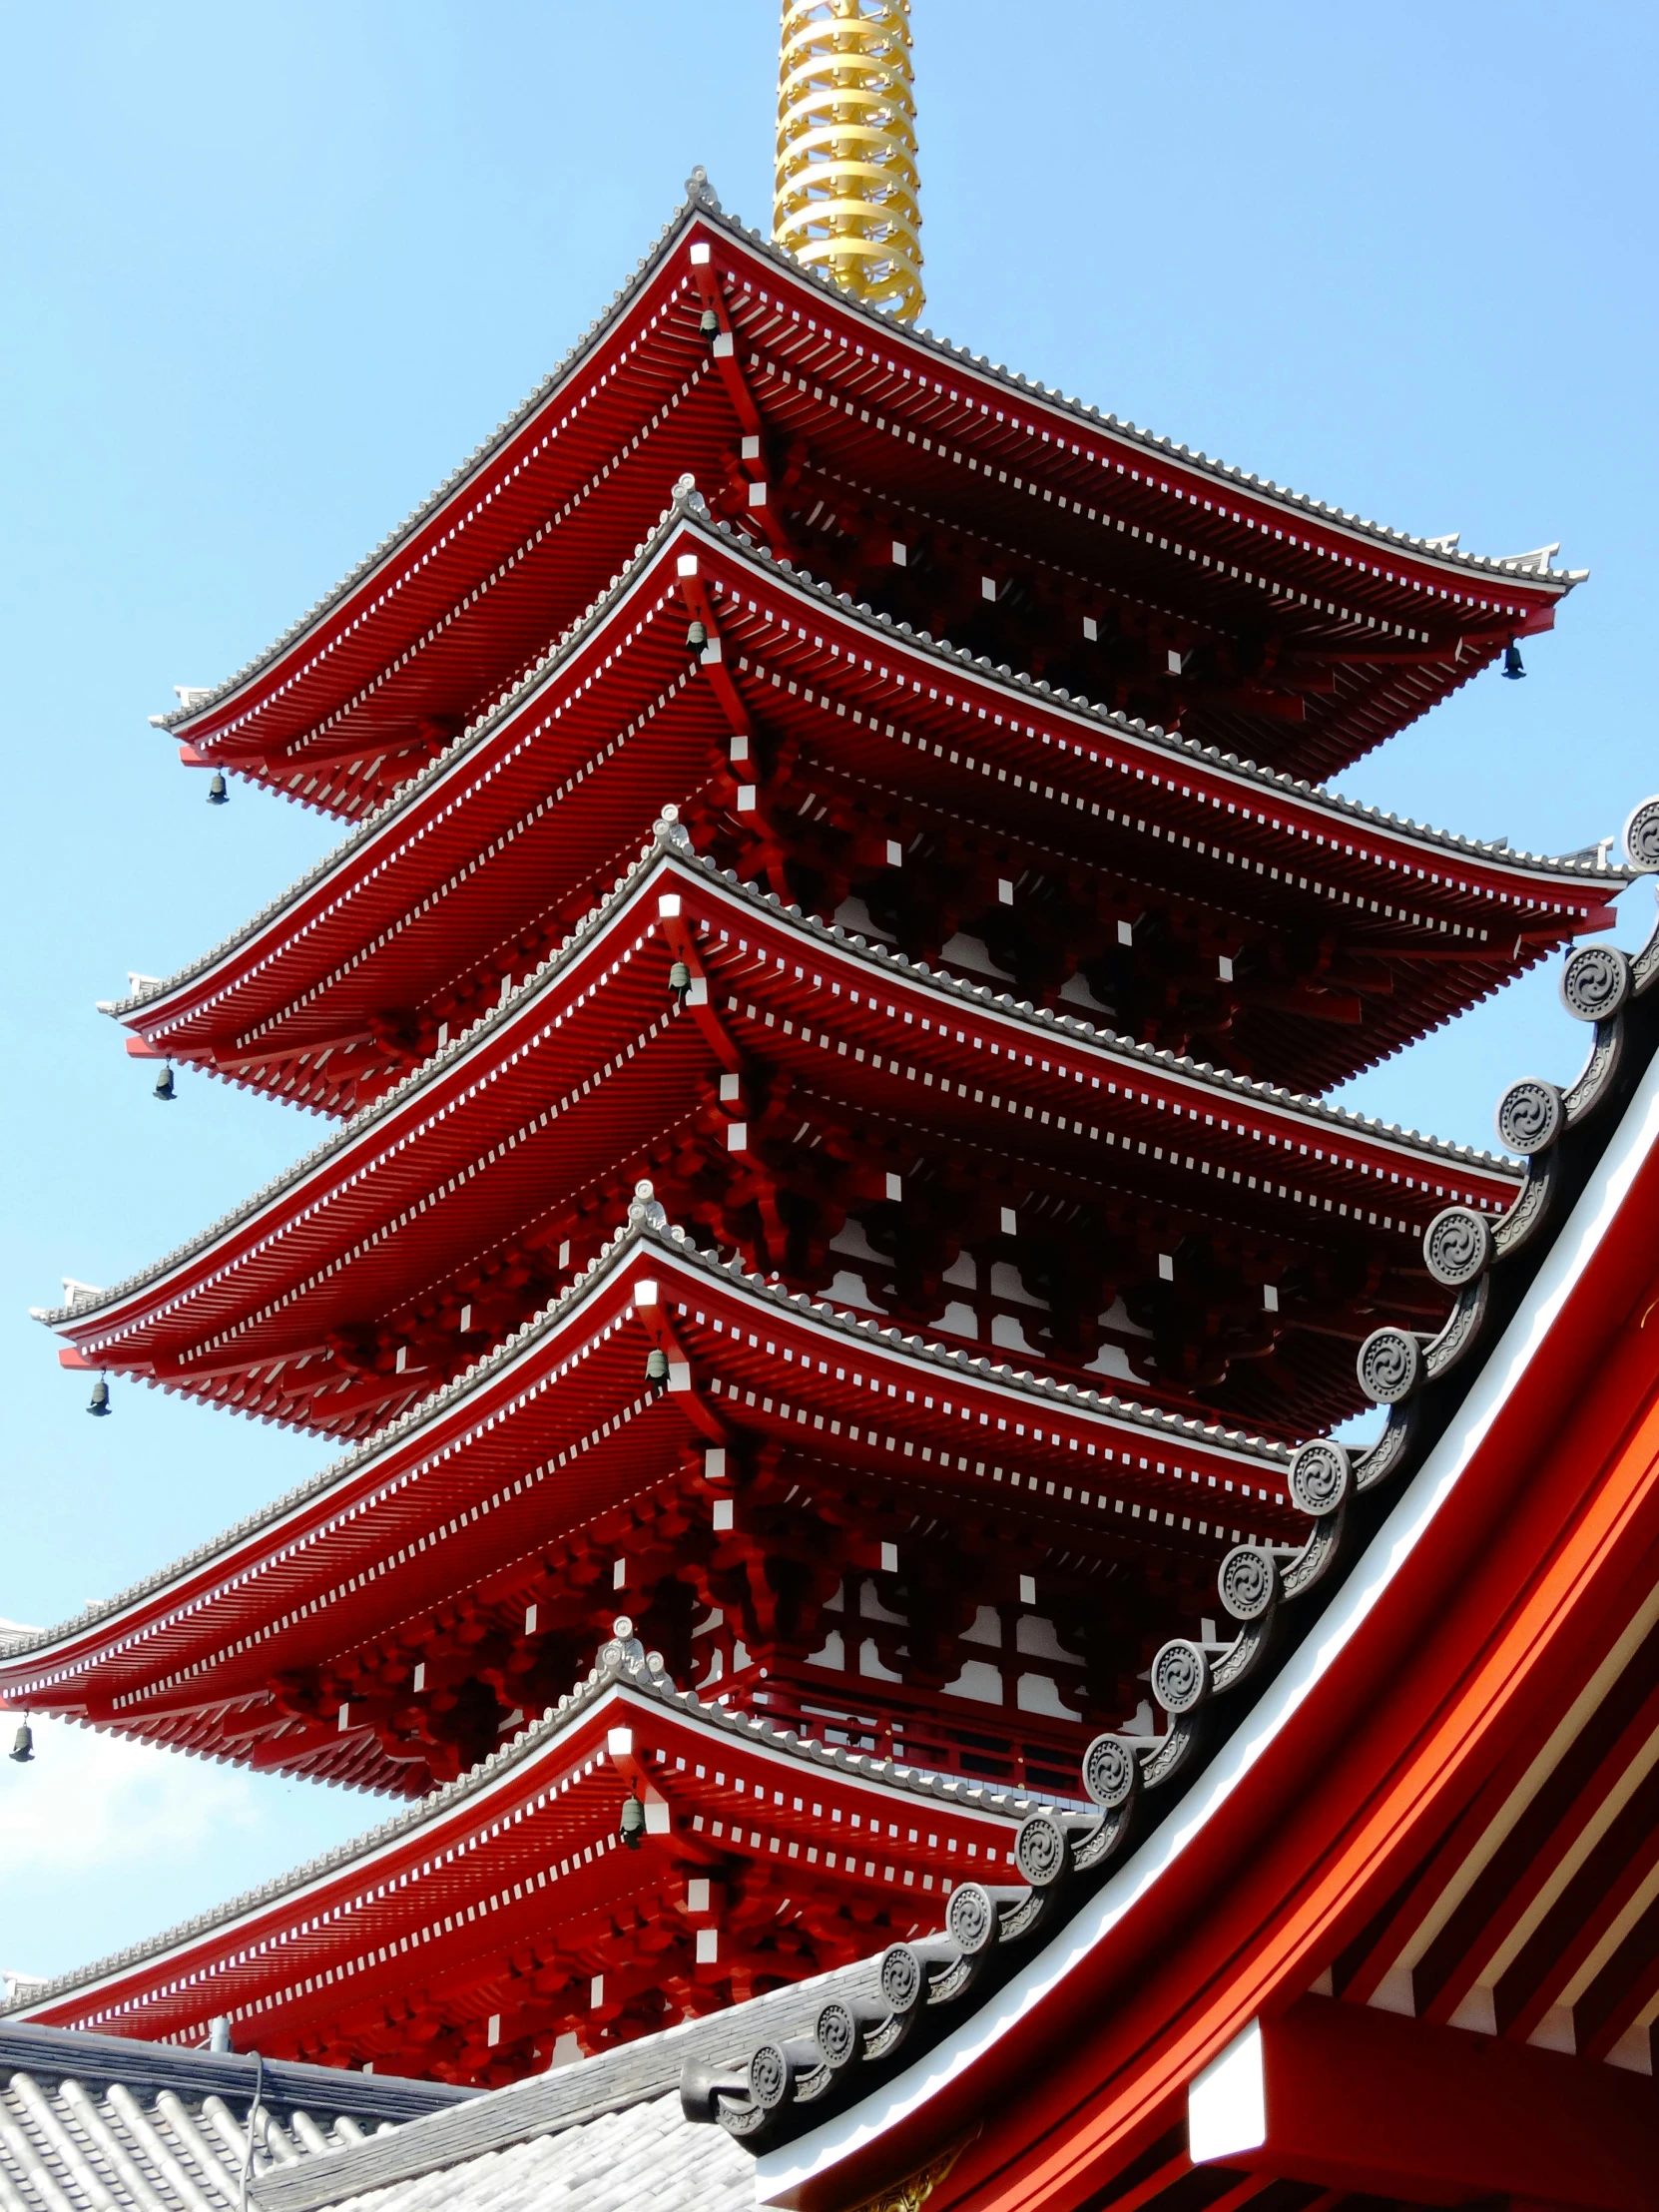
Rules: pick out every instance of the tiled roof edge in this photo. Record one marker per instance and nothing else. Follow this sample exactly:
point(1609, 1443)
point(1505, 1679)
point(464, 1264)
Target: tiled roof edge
point(542, 976)
point(564, 648)
point(1171, 1427)
point(591, 339)
point(1507, 567)
point(1512, 565)
point(621, 1663)
point(1180, 748)
point(598, 610)
point(546, 2104)
point(82, 2054)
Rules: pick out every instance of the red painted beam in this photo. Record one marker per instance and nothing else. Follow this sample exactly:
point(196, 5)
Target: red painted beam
point(1552, 1532)
point(1584, 1916)
point(1538, 1846)
point(1373, 2102)
point(1152, 2187)
point(1477, 1923)
point(1621, 1992)
point(1242, 2193)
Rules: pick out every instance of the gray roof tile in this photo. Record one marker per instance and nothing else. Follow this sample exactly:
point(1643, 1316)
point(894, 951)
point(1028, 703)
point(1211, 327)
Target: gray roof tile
point(580, 2136)
point(601, 2165)
point(98, 2121)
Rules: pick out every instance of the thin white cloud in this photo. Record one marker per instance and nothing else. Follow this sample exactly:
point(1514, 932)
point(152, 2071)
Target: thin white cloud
point(105, 1843)
point(97, 1807)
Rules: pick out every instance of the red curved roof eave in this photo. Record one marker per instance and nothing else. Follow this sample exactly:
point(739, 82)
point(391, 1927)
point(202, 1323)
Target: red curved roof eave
point(1506, 1570)
point(403, 857)
point(554, 1786)
point(411, 1500)
point(433, 1099)
point(1200, 499)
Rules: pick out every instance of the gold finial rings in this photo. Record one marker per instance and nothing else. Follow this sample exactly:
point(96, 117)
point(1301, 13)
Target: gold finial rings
point(846, 189)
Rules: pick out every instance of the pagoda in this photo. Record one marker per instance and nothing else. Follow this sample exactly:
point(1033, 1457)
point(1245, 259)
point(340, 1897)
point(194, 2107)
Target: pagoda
point(831, 1278)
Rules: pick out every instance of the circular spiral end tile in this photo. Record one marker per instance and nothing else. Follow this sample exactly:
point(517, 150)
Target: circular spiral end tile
point(769, 2077)
point(1248, 1582)
point(1641, 836)
point(1109, 1774)
point(835, 2033)
point(900, 1978)
point(1180, 1676)
point(1457, 1246)
point(1321, 1478)
point(1040, 1851)
point(1389, 1366)
point(970, 1919)
point(1530, 1116)
point(1595, 982)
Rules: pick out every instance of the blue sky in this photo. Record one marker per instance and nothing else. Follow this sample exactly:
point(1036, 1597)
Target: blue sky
point(268, 273)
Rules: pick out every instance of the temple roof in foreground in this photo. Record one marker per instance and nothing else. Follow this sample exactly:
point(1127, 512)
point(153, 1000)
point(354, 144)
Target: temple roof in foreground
point(1452, 1842)
point(103, 2122)
point(148, 2123)
point(608, 2162)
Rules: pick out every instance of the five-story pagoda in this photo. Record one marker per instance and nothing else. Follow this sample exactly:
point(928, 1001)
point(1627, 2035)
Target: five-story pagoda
point(830, 1245)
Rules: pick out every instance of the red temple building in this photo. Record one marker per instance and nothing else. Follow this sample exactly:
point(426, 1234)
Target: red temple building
point(830, 1286)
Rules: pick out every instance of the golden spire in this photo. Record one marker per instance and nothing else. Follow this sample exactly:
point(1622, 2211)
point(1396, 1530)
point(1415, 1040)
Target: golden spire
point(847, 148)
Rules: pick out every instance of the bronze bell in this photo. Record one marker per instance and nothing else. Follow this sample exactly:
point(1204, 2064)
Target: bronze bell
point(164, 1086)
point(630, 1827)
point(697, 635)
point(100, 1404)
point(23, 1749)
point(680, 980)
point(656, 1367)
point(709, 323)
point(218, 792)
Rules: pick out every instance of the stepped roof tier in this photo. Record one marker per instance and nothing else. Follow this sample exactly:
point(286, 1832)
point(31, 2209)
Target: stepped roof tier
point(904, 471)
point(967, 816)
point(831, 1216)
point(934, 1554)
point(1240, 1242)
point(1407, 1801)
point(763, 1860)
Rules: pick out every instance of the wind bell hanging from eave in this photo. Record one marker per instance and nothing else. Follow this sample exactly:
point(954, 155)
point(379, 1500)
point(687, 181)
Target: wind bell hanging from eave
point(846, 188)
